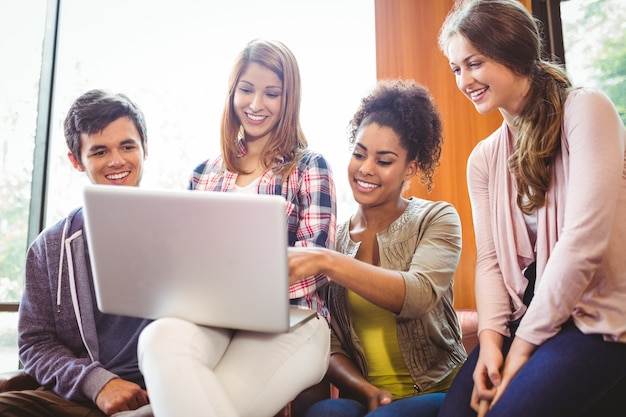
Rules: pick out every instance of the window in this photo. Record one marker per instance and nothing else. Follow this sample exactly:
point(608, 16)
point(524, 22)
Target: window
point(589, 37)
point(594, 37)
point(173, 59)
point(174, 62)
point(22, 27)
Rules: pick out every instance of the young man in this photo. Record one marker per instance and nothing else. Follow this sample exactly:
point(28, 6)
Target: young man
point(85, 360)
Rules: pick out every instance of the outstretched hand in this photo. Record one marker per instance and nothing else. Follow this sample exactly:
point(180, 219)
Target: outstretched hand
point(304, 262)
point(121, 395)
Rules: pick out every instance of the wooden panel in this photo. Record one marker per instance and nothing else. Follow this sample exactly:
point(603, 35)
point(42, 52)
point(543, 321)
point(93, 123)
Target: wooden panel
point(406, 47)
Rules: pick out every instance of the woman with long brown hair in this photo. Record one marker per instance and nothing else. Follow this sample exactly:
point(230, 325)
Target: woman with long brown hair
point(194, 370)
point(548, 195)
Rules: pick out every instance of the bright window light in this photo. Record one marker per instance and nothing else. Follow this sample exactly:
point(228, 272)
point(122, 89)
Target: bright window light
point(173, 59)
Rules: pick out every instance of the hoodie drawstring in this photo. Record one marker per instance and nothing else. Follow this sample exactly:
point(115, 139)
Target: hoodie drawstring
point(62, 252)
point(66, 248)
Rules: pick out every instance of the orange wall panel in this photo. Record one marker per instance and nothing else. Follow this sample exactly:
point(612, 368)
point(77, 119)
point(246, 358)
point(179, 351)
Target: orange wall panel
point(406, 47)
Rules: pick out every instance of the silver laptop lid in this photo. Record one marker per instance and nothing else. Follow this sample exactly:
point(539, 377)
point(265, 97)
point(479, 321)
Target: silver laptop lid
point(218, 259)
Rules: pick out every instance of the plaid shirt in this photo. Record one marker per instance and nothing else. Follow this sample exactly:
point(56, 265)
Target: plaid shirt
point(311, 210)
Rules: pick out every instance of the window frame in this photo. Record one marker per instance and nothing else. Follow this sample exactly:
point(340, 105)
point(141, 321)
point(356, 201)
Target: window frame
point(37, 208)
point(549, 13)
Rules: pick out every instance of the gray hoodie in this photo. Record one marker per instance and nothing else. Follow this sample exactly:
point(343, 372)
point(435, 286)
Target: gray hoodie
point(58, 342)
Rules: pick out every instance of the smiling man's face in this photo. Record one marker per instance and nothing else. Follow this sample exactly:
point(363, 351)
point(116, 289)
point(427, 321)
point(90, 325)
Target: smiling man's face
point(113, 156)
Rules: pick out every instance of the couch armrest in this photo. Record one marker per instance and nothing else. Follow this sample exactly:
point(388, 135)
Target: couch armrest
point(468, 319)
point(16, 381)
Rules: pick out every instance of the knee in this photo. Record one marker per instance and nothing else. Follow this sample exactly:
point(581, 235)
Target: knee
point(163, 335)
point(337, 407)
point(169, 338)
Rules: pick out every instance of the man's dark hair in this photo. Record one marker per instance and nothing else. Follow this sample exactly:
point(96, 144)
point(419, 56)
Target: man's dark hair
point(94, 111)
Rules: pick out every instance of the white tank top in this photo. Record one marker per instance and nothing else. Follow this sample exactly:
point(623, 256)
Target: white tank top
point(248, 189)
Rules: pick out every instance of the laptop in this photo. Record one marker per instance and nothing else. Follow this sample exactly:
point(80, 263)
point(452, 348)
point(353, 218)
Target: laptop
point(212, 258)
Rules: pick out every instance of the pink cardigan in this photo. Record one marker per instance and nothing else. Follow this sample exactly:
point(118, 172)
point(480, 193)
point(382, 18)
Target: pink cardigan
point(581, 231)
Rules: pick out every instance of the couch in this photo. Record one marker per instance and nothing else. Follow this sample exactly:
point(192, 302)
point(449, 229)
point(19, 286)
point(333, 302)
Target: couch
point(18, 380)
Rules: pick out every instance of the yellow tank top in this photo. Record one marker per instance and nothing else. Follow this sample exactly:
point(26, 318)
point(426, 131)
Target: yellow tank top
point(376, 329)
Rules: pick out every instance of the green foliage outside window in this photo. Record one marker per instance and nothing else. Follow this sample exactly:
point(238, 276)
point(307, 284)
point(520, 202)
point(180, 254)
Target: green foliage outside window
point(14, 206)
point(594, 34)
point(612, 66)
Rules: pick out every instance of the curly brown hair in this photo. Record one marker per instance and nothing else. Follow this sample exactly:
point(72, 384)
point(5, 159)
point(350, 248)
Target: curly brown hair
point(408, 109)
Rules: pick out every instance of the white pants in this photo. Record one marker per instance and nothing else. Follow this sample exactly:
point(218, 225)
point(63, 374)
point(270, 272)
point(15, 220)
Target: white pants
point(192, 370)
point(145, 411)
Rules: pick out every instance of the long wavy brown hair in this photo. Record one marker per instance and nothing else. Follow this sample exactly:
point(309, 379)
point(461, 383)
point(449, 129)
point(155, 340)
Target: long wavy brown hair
point(504, 31)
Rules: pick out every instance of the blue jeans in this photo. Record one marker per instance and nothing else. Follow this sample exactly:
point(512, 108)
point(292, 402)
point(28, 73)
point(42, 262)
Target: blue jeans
point(426, 405)
point(572, 374)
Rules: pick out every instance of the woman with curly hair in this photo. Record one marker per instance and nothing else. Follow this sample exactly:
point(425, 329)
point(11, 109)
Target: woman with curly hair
point(396, 342)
